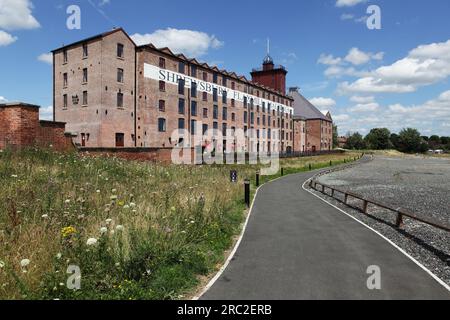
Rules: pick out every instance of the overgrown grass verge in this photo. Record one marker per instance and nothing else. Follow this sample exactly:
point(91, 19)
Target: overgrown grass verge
point(135, 230)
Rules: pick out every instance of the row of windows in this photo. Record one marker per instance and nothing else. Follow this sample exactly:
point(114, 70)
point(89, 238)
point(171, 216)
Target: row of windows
point(120, 77)
point(120, 52)
point(162, 127)
point(181, 91)
point(215, 78)
point(85, 100)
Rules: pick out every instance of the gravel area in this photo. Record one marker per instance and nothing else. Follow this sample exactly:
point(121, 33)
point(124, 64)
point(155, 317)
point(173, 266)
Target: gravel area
point(419, 184)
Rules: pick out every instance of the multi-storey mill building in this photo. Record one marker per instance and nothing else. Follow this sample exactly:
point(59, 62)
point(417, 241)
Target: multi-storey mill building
point(113, 93)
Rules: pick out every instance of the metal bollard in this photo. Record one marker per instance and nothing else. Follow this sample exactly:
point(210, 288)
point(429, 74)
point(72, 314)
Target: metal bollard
point(247, 192)
point(310, 167)
point(282, 172)
point(257, 178)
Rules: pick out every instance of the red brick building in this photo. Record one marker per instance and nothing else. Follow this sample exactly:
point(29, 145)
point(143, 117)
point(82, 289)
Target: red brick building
point(318, 126)
point(112, 93)
point(20, 127)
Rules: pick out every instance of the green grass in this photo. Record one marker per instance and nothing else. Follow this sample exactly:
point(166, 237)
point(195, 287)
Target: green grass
point(165, 225)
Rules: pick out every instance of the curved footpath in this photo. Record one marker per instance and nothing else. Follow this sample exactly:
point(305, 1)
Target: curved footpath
point(298, 247)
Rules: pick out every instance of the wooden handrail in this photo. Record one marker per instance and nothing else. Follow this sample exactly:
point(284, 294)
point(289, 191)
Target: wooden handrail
point(401, 212)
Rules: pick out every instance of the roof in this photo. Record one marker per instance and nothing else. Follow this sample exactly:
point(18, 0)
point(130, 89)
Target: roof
point(304, 108)
point(18, 104)
point(233, 75)
point(98, 36)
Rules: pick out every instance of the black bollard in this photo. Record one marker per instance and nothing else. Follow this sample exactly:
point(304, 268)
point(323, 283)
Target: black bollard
point(247, 192)
point(257, 178)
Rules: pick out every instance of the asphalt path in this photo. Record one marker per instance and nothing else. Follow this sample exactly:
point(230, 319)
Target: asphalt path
point(297, 247)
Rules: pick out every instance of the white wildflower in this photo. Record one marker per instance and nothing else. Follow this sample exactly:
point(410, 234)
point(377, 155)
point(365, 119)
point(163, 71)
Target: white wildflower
point(119, 228)
point(108, 221)
point(2, 264)
point(25, 263)
point(45, 216)
point(67, 201)
point(91, 242)
point(103, 230)
point(14, 176)
point(59, 256)
point(114, 190)
point(113, 198)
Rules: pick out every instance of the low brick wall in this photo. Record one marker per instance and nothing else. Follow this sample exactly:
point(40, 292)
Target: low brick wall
point(20, 127)
point(157, 155)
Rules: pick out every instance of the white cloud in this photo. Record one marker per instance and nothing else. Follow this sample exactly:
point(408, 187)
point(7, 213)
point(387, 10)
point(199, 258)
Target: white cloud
point(189, 42)
point(6, 39)
point(46, 58)
point(365, 107)
point(329, 60)
point(424, 65)
point(3, 99)
point(430, 117)
point(348, 3)
point(341, 118)
point(358, 57)
point(16, 15)
point(361, 99)
point(46, 113)
point(321, 102)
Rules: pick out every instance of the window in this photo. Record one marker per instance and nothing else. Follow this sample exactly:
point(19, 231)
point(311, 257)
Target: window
point(224, 114)
point(205, 76)
point(194, 89)
point(268, 120)
point(215, 95)
point(181, 123)
point(224, 97)
point(65, 80)
point(162, 63)
point(233, 116)
point(205, 112)
point(162, 105)
point(233, 85)
point(233, 103)
point(65, 56)
point(120, 75)
point(245, 116)
point(65, 101)
point(193, 127)
point(215, 125)
point(181, 104)
point(162, 125)
point(181, 67)
point(216, 112)
point(85, 98)
point(224, 81)
point(120, 100)
point(85, 51)
point(264, 120)
point(162, 86)
point(204, 128)
point(120, 50)
point(194, 108)
point(252, 118)
point(205, 96)
point(120, 140)
point(224, 129)
point(245, 102)
point(181, 86)
point(194, 71)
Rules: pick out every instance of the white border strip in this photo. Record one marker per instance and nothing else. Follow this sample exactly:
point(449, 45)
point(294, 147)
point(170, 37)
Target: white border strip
point(236, 247)
point(435, 277)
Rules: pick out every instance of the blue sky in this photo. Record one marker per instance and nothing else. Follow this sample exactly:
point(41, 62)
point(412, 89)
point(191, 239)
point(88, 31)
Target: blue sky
point(395, 77)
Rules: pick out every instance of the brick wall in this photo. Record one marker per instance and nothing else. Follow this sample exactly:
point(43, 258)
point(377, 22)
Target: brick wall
point(20, 127)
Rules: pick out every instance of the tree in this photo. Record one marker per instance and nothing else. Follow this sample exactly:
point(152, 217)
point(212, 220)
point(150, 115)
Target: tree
point(410, 141)
point(335, 137)
point(379, 139)
point(395, 140)
point(434, 142)
point(355, 142)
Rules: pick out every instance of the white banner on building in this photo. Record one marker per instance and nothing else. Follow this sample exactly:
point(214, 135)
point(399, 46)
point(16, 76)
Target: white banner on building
point(158, 74)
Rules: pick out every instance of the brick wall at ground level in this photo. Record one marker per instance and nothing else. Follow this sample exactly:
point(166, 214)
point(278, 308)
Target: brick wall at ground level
point(20, 127)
